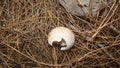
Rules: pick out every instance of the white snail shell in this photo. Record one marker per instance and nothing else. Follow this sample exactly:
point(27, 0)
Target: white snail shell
point(59, 33)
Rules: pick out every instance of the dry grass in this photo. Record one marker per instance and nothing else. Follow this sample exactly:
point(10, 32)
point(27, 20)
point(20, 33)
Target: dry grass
point(25, 24)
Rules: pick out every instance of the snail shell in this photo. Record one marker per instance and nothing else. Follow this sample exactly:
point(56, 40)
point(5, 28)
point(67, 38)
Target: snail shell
point(62, 35)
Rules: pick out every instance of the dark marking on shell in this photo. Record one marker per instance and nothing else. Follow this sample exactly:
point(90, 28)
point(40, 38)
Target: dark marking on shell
point(60, 44)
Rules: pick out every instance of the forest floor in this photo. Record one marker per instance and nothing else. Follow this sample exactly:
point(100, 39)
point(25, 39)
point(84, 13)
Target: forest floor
point(24, 28)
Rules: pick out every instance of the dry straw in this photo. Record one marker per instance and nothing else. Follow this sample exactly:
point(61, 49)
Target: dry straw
point(25, 24)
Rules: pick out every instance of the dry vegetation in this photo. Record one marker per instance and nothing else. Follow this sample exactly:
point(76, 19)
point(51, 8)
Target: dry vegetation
point(25, 24)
